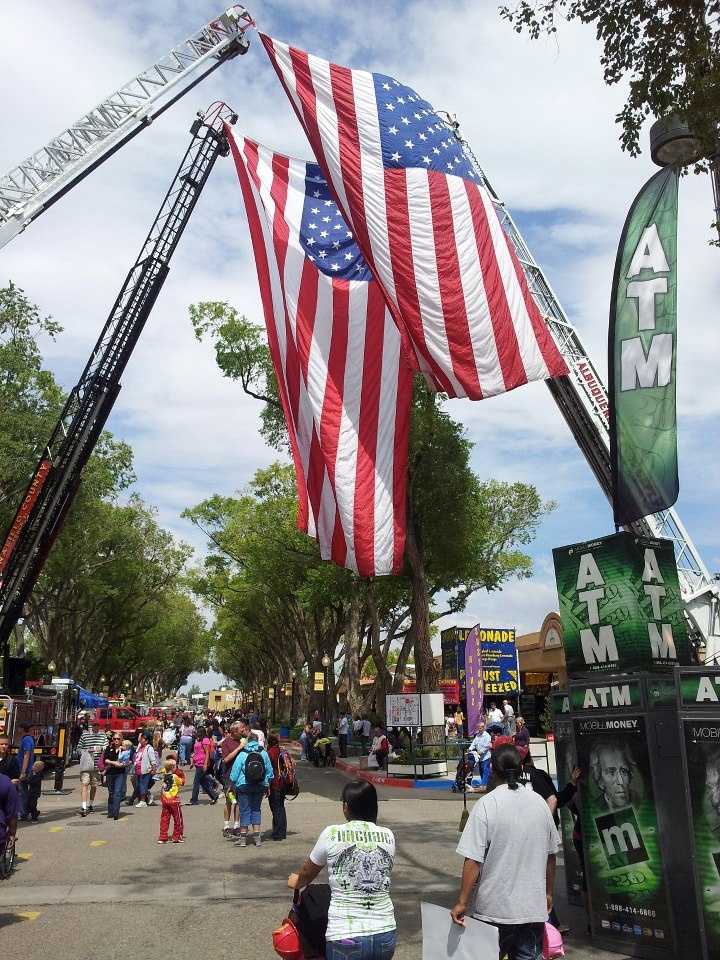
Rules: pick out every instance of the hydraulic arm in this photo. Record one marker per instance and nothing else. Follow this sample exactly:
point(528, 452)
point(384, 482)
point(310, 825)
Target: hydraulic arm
point(36, 183)
point(57, 476)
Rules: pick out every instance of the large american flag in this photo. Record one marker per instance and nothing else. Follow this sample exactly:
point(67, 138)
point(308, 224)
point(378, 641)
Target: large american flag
point(343, 377)
point(425, 224)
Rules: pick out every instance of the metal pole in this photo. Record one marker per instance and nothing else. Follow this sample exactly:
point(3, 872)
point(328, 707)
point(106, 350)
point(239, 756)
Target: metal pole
point(715, 178)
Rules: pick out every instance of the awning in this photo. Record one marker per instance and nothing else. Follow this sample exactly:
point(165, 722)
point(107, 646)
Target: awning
point(88, 700)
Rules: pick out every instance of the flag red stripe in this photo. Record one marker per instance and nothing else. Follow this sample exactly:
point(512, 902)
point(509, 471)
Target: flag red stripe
point(367, 441)
point(451, 288)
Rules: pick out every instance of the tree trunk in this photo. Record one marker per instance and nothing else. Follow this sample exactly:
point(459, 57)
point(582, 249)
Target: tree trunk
point(352, 654)
point(383, 680)
point(425, 672)
point(401, 666)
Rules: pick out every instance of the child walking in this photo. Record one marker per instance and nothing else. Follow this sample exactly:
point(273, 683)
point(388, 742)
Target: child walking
point(170, 804)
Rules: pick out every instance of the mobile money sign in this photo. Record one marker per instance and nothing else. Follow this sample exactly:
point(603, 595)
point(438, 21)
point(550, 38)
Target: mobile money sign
point(702, 750)
point(642, 354)
point(620, 833)
point(620, 605)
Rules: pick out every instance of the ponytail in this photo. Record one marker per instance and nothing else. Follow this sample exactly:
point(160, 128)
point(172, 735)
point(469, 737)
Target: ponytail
point(506, 764)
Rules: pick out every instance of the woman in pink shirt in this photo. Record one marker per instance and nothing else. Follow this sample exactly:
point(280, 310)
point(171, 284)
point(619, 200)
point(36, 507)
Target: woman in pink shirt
point(202, 752)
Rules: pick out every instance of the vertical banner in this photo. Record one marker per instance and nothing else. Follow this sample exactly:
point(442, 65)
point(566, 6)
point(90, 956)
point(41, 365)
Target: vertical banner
point(642, 354)
point(620, 833)
point(620, 605)
point(473, 681)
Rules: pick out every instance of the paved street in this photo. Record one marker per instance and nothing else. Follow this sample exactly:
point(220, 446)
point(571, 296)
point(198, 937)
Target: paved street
point(101, 890)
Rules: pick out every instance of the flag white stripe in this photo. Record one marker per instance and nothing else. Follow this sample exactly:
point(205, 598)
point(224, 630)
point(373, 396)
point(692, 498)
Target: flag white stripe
point(427, 281)
point(482, 334)
point(532, 358)
point(384, 461)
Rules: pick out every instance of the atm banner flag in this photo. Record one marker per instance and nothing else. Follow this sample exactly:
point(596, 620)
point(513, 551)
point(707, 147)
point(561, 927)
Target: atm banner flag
point(620, 605)
point(642, 345)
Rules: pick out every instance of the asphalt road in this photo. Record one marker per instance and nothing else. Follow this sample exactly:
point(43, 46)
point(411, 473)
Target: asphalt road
point(97, 889)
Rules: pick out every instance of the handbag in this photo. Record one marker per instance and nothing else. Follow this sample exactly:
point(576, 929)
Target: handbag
point(87, 762)
point(552, 943)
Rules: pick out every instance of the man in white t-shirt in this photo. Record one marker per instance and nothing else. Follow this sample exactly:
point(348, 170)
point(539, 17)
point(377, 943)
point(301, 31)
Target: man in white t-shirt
point(495, 716)
point(509, 844)
point(343, 730)
point(365, 734)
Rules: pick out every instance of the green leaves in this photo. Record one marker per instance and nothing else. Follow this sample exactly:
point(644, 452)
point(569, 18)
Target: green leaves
point(669, 52)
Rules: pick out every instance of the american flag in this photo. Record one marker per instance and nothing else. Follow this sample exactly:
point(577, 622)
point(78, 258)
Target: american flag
point(425, 224)
point(343, 378)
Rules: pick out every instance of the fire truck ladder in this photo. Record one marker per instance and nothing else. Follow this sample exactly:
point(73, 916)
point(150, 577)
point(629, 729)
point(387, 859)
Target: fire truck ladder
point(36, 183)
point(57, 476)
point(583, 402)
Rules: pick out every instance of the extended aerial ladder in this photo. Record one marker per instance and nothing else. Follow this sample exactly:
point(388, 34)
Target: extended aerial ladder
point(38, 182)
point(31, 188)
point(583, 402)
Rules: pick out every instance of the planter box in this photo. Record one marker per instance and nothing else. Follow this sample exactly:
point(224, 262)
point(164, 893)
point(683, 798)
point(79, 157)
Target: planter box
point(428, 768)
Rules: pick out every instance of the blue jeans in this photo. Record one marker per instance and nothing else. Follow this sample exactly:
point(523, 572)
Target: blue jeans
point(378, 946)
point(142, 786)
point(116, 791)
point(202, 779)
point(522, 941)
point(250, 799)
point(23, 798)
point(185, 749)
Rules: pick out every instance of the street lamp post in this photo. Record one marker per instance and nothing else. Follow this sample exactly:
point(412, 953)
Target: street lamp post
point(292, 697)
point(326, 663)
point(672, 143)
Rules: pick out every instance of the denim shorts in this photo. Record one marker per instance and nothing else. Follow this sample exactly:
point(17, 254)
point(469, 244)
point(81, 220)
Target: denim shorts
point(378, 946)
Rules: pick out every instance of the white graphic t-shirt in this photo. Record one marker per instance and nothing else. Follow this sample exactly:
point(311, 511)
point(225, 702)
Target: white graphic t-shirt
point(359, 857)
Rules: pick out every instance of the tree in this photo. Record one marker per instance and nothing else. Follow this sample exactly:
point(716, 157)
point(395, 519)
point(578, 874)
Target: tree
point(110, 600)
point(461, 542)
point(667, 50)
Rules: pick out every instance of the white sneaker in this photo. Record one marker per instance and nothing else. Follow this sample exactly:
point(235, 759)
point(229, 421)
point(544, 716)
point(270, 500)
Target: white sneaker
point(141, 803)
point(151, 801)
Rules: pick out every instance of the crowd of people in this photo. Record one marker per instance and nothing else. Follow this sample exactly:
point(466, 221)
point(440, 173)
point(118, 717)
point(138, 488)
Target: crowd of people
point(508, 844)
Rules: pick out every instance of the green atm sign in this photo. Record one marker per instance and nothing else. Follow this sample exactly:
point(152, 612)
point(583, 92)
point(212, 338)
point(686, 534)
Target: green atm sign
point(699, 688)
point(606, 696)
point(620, 605)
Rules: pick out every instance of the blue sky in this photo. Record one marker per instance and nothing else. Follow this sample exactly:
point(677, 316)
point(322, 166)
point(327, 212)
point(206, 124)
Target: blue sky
point(539, 118)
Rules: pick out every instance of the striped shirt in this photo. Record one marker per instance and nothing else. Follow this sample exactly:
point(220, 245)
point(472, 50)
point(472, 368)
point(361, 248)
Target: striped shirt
point(95, 743)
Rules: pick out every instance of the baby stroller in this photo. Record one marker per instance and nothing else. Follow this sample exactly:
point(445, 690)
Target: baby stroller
point(302, 935)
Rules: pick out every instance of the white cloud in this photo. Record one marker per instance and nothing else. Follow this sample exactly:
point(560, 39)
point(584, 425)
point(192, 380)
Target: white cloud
point(539, 118)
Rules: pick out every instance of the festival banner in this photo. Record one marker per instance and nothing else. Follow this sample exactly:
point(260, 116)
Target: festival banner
point(702, 749)
point(620, 605)
point(620, 834)
point(473, 682)
point(642, 354)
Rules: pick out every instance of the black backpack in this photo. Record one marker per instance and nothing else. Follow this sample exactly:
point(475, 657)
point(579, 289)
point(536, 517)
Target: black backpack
point(309, 913)
point(254, 768)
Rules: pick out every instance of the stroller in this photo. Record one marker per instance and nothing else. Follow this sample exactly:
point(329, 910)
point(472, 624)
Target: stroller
point(302, 935)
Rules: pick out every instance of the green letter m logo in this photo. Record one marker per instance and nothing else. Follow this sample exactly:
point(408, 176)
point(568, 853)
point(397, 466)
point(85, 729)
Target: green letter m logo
point(621, 839)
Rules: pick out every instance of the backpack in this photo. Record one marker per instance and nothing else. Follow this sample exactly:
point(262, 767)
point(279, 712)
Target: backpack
point(288, 777)
point(309, 915)
point(254, 768)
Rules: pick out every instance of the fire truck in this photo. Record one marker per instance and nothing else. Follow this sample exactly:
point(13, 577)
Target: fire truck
point(49, 710)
